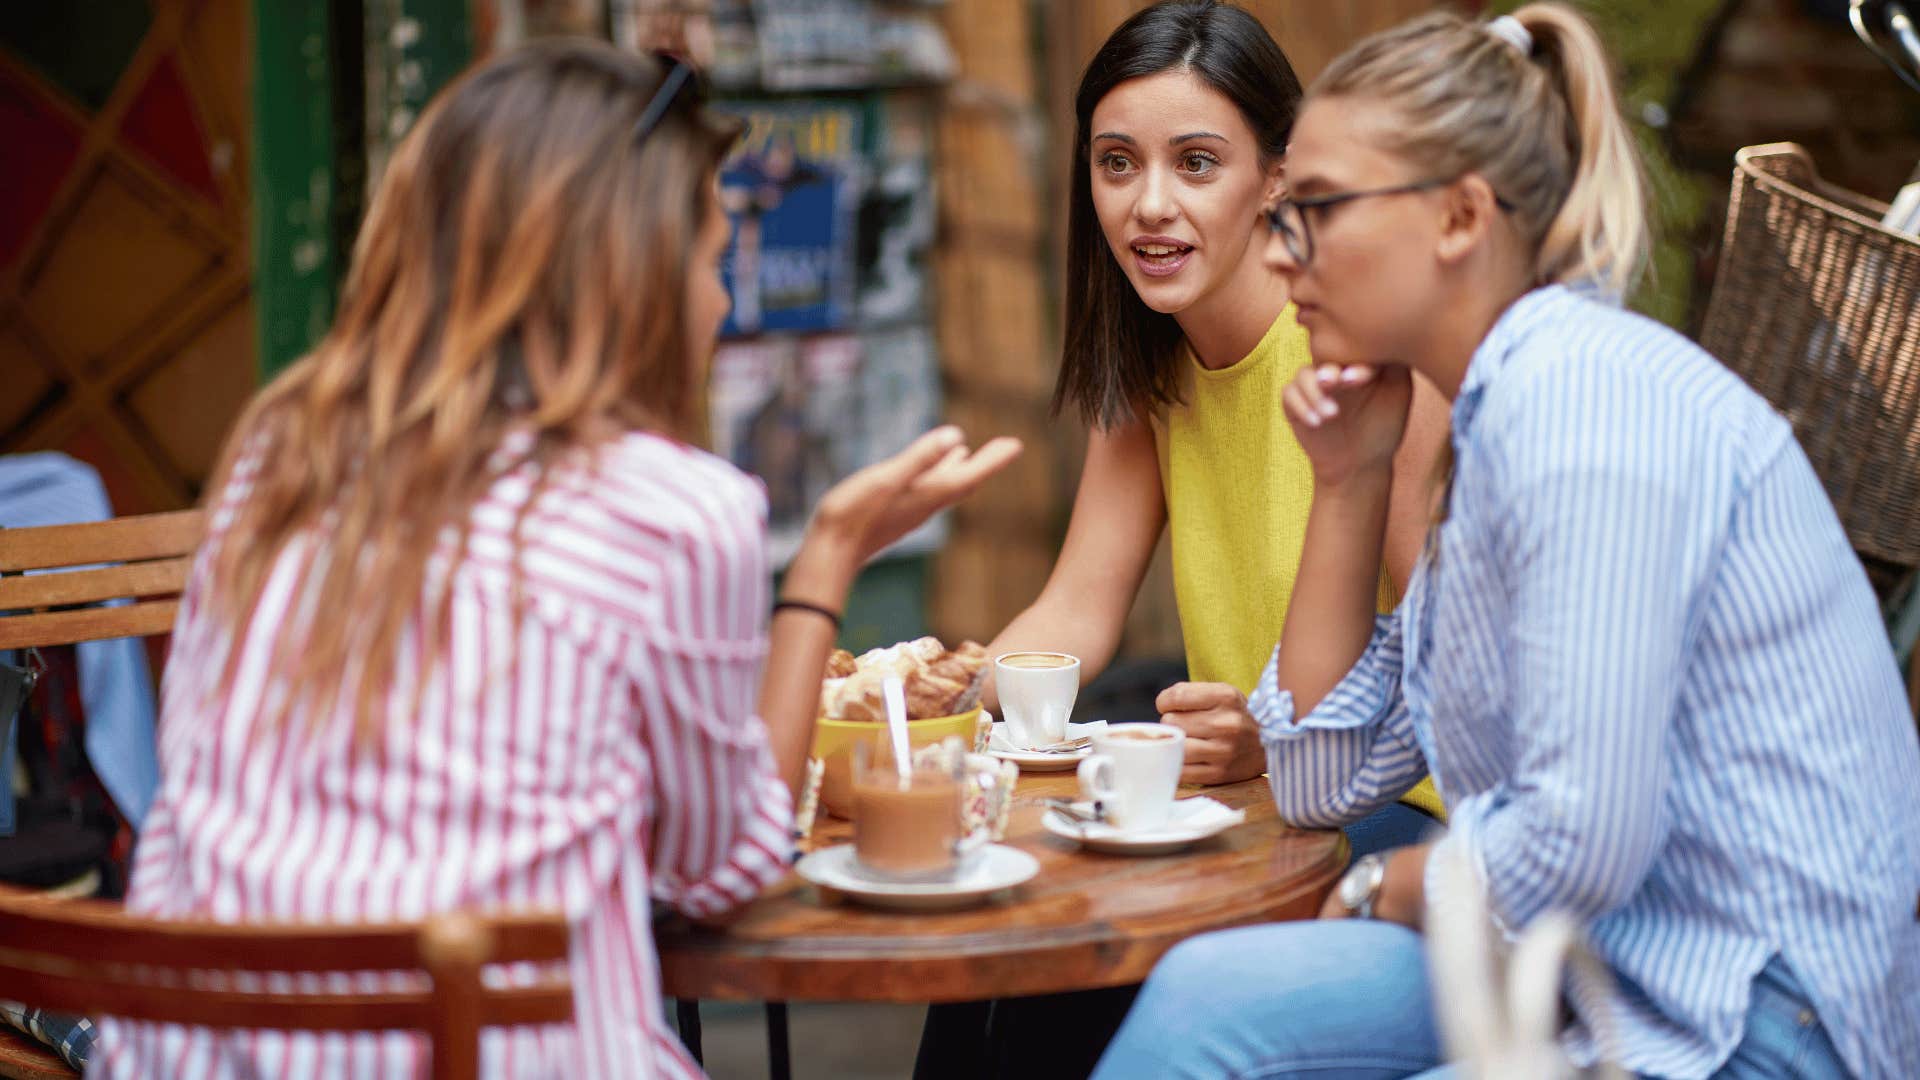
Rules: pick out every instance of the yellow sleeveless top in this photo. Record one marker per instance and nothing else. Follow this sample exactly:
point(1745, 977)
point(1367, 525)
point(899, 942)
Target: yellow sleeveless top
point(1238, 487)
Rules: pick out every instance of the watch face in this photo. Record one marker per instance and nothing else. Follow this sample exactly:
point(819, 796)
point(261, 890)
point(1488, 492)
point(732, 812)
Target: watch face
point(1360, 881)
point(1352, 889)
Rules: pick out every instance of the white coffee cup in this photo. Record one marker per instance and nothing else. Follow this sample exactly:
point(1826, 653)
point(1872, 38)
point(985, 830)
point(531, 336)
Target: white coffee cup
point(1133, 772)
point(1036, 695)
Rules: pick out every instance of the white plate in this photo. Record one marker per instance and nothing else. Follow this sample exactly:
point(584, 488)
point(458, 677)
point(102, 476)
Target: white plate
point(1030, 761)
point(996, 867)
point(1170, 836)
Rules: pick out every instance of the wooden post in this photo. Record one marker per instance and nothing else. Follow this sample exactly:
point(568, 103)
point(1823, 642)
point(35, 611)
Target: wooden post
point(996, 338)
point(295, 248)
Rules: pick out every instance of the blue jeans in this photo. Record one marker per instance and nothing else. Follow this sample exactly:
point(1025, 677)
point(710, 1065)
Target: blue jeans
point(1349, 1000)
point(1391, 826)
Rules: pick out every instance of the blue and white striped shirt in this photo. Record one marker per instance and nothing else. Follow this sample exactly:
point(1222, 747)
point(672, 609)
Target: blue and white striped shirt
point(1650, 679)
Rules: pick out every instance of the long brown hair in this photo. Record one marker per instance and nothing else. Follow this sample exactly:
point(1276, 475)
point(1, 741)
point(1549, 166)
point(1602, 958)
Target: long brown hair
point(1120, 356)
point(522, 267)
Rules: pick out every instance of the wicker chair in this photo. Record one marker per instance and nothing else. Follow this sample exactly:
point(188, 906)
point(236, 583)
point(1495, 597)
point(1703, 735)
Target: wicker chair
point(1817, 305)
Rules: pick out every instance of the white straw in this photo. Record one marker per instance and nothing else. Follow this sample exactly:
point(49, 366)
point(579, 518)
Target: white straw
point(895, 693)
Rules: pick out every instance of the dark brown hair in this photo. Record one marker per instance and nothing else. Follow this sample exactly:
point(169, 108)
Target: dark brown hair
point(523, 266)
point(1119, 356)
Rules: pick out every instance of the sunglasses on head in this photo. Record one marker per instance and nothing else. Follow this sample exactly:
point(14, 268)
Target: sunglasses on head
point(680, 75)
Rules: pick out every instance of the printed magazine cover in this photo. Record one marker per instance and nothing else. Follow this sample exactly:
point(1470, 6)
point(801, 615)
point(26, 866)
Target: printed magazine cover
point(792, 188)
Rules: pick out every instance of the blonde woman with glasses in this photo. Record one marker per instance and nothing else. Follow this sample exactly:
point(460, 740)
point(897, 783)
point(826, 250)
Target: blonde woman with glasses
point(1638, 656)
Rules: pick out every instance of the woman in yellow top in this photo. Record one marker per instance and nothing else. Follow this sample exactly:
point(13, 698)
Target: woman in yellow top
point(1179, 340)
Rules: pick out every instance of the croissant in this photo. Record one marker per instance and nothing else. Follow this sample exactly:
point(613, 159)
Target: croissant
point(859, 698)
point(938, 681)
point(930, 693)
point(840, 664)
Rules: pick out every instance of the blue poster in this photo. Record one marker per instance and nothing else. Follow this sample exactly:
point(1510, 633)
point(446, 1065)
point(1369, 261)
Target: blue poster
point(791, 189)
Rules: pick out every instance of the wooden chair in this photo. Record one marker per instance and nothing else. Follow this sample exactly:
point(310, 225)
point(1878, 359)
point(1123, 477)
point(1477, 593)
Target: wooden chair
point(88, 956)
point(44, 602)
point(152, 552)
point(1817, 305)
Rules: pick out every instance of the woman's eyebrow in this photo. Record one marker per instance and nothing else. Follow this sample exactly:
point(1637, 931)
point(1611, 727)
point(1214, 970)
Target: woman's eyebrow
point(1192, 135)
point(1116, 137)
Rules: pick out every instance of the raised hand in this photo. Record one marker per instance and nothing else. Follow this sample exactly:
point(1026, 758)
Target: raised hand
point(1348, 419)
point(864, 513)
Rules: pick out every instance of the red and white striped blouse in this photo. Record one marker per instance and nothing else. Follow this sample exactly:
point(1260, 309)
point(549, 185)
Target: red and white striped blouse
point(594, 753)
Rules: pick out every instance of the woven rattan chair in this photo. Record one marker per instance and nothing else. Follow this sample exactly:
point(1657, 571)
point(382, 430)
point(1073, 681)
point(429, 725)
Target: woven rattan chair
point(1817, 305)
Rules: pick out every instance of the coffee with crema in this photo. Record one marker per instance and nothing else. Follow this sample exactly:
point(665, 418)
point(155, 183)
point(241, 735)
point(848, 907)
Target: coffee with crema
point(1037, 660)
point(1133, 734)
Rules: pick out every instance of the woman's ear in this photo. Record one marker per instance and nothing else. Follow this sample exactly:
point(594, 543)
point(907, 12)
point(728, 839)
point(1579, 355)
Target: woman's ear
point(1276, 182)
point(1470, 210)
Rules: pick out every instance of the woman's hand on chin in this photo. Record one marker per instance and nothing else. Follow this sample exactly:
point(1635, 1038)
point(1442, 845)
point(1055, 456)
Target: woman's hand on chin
point(1349, 418)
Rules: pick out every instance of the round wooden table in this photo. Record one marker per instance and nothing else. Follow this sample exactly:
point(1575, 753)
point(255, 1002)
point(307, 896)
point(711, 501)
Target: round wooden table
point(1086, 920)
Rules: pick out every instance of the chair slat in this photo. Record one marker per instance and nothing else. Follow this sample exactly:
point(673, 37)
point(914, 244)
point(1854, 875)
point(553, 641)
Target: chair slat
point(514, 1006)
point(148, 536)
point(88, 624)
point(98, 932)
point(22, 1057)
point(162, 577)
point(96, 996)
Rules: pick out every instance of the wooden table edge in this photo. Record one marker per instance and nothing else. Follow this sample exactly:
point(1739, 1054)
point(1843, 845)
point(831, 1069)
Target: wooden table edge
point(716, 968)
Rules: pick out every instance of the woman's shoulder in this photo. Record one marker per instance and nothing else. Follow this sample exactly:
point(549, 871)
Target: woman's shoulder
point(641, 470)
point(1587, 366)
point(642, 490)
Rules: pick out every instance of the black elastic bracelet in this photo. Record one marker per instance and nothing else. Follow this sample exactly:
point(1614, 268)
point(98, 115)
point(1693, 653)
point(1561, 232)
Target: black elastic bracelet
point(801, 605)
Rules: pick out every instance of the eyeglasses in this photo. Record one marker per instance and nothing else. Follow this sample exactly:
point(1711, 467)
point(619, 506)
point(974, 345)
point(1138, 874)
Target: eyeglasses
point(1289, 217)
point(679, 75)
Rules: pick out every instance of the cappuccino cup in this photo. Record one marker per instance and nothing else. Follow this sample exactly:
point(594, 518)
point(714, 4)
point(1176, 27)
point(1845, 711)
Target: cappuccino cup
point(1133, 772)
point(1037, 690)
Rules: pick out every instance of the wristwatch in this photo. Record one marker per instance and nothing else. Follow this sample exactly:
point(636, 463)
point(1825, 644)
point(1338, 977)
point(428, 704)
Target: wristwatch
point(1361, 885)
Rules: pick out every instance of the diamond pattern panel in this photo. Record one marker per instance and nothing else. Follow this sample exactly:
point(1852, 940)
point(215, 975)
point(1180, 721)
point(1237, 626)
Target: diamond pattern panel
point(188, 404)
point(161, 124)
point(40, 147)
point(82, 46)
point(119, 264)
point(25, 386)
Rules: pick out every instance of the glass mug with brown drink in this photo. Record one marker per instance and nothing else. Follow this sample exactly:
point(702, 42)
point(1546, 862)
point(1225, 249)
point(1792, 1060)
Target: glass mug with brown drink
point(911, 828)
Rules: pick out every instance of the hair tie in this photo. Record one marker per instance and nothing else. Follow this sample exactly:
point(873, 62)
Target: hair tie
point(1508, 29)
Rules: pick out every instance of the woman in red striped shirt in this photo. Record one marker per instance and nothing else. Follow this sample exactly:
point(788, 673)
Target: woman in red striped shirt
point(476, 624)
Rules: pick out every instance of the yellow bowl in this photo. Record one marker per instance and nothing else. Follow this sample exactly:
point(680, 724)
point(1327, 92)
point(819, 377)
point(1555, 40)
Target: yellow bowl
point(833, 742)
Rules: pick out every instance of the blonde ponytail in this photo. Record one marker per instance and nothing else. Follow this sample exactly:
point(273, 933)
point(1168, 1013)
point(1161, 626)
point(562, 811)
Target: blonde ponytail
point(1600, 231)
point(1541, 124)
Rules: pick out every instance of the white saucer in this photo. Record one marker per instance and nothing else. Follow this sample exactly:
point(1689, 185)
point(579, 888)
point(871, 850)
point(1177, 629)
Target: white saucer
point(1193, 820)
point(993, 868)
point(1031, 761)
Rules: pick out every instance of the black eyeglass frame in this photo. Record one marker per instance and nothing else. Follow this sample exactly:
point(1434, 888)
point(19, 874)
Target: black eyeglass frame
point(1300, 244)
point(679, 75)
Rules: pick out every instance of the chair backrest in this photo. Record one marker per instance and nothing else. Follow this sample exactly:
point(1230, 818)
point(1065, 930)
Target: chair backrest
point(1817, 306)
point(149, 556)
point(90, 957)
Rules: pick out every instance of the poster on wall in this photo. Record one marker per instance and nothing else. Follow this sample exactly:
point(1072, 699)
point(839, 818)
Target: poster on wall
point(899, 396)
point(791, 189)
point(898, 214)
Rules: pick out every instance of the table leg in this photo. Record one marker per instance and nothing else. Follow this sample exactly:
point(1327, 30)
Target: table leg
point(779, 1057)
point(686, 1012)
